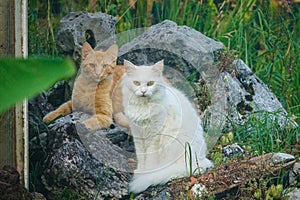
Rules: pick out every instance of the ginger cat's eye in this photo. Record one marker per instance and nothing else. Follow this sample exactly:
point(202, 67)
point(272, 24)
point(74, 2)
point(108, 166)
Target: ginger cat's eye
point(92, 65)
point(150, 83)
point(136, 83)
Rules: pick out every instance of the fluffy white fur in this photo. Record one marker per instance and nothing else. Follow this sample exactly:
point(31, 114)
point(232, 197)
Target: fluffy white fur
point(162, 122)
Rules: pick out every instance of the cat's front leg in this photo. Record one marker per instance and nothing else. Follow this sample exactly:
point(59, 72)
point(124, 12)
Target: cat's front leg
point(140, 163)
point(140, 155)
point(98, 121)
point(154, 154)
point(62, 110)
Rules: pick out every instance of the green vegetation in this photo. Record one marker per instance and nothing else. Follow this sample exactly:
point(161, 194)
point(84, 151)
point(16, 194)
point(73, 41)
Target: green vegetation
point(26, 78)
point(188, 157)
point(262, 133)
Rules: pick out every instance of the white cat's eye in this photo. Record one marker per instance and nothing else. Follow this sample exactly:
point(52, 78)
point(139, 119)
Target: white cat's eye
point(105, 65)
point(137, 83)
point(150, 83)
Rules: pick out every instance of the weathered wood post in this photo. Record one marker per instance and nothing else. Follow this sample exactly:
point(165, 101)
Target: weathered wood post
point(13, 122)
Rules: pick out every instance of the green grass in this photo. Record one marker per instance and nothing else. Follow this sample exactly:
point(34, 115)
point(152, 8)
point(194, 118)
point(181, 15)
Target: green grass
point(188, 157)
point(262, 133)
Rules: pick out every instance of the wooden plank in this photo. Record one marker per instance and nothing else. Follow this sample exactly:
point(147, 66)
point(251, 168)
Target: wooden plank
point(6, 28)
point(21, 122)
point(6, 138)
point(13, 123)
point(6, 49)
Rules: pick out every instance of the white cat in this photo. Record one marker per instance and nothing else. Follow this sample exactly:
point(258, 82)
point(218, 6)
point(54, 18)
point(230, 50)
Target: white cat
point(162, 123)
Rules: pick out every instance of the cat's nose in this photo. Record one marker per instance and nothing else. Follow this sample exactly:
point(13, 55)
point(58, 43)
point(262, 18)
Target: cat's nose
point(98, 71)
point(143, 92)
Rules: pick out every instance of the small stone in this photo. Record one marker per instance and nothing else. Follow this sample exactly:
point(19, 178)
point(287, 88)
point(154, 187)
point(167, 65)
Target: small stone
point(198, 190)
point(231, 150)
point(281, 158)
point(295, 194)
point(159, 192)
point(38, 196)
point(294, 174)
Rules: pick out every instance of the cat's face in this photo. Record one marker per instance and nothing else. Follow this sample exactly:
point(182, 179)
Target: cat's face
point(143, 81)
point(98, 65)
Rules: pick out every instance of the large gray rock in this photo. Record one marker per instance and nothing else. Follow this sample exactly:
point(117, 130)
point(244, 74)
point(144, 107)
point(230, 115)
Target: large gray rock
point(237, 95)
point(87, 164)
point(77, 27)
point(182, 48)
point(168, 37)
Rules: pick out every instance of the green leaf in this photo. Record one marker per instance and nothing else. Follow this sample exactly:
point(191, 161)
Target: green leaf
point(25, 78)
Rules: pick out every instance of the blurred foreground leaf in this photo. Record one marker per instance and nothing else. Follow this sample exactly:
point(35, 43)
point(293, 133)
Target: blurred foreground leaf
point(25, 78)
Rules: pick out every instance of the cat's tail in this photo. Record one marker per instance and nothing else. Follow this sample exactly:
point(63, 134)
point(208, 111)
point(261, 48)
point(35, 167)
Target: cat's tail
point(62, 110)
point(141, 181)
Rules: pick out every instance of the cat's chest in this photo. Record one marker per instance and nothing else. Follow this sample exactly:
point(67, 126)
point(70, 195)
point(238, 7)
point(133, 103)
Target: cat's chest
point(149, 120)
point(84, 101)
point(145, 112)
point(83, 97)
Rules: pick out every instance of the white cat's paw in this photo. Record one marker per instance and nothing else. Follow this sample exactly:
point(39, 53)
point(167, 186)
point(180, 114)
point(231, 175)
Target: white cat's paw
point(204, 165)
point(138, 185)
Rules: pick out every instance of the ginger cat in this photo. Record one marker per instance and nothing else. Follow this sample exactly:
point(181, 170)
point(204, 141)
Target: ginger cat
point(92, 89)
point(117, 97)
point(162, 122)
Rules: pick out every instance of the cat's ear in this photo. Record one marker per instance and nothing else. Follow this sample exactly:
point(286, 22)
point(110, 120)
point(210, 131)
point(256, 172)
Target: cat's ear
point(113, 51)
point(129, 67)
point(86, 50)
point(159, 66)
